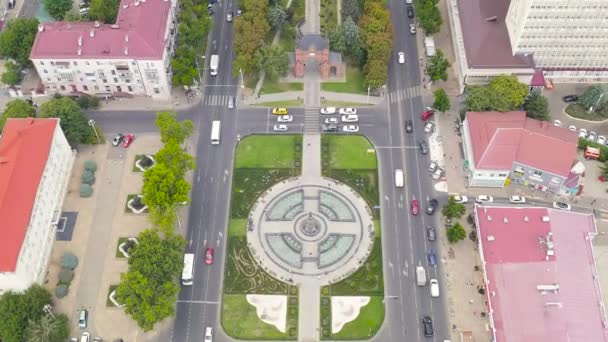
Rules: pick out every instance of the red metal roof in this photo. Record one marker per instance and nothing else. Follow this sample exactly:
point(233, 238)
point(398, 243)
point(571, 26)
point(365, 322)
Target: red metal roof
point(138, 33)
point(24, 149)
point(499, 139)
point(516, 262)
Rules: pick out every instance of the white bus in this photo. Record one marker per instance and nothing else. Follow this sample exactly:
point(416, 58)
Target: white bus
point(215, 132)
point(188, 269)
point(214, 64)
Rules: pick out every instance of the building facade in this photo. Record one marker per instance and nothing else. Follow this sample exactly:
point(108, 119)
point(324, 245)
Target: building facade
point(35, 167)
point(130, 57)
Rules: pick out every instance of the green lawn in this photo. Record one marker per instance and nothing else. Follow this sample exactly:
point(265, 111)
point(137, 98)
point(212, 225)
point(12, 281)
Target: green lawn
point(272, 87)
point(578, 111)
point(366, 324)
point(350, 152)
point(237, 228)
point(267, 151)
point(286, 103)
point(367, 280)
point(240, 320)
point(355, 83)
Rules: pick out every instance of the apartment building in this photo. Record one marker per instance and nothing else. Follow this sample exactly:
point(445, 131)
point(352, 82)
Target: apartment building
point(130, 57)
point(35, 165)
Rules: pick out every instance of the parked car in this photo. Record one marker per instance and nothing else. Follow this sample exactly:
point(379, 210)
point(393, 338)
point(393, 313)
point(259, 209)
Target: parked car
point(128, 140)
point(329, 128)
point(432, 206)
point(601, 140)
point(85, 337)
point(415, 207)
point(280, 128)
point(484, 199)
point(570, 98)
point(350, 128)
point(229, 16)
point(582, 133)
point(557, 123)
point(517, 199)
point(461, 199)
point(409, 126)
point(412, 29)
point(209, 256)
point(331, 121)
point(285, 118)
point(208, 334)
point(350, 118)
point(423, 147)
point(433, 166)
point(346, 111)
point(118, 139)
point(280, 111)
point(572, 128)
point(401, 57)
point(328, 110)
point(83, 319)
point(561, 205)
point(432, 257)
point(426, 114)
point(434, 287)
point(592, 136)
point(410, 12)
point(437, 174)
point(429, 127)
point(97, 339)
point(430, 233)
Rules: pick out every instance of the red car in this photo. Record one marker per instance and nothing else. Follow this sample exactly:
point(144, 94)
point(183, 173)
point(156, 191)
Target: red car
point(415, 206)
point(128, 140)
point(426, 115)
point(209, 256)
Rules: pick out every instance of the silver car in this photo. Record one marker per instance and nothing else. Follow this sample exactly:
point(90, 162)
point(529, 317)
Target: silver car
point(280, 128)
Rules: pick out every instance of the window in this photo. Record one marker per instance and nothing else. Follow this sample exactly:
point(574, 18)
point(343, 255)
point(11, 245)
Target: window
point(41, 63)
point(130, 88)
point(115, 80)
point(537, 173)
point(96, 88)
point(128, 80)
point(87, 63)
point(113, 72)
point(85, 88)
point(75, 63)
point(49, 79)
point(46, 71)
point(502, 175)
point(62, 87)
point(105, 80)
point(156, 91)
point(108, 88)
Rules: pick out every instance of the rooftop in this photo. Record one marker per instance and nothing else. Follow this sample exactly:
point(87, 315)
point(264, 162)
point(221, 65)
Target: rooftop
point(314, 41)
point(542, 279)
point(25, 145)
point(485, 35)
point(138, 33)
point(499, 139)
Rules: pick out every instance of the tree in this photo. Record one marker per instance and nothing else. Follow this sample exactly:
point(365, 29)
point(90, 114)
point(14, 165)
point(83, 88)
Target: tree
point(452, 209)
point(163, 189)
point(376, 73)
point(183, 66)
point(592, 97)
point(441, 101)
point(437, 68)
point(428, 16)
point(17, 309)
point(537, 106)
point(477, 99)
point(272, 60)
point(351, 8)
point(73, 123)
point(104, 10)
point(72, 16)
point(88, 102)
point(57, 8)
point(12, 75)
point(155, 257)
point(88, 177)
point(337, 40)
point(16, 109)
point(276, 17)
point(171, 129)
point(456, 233)
point(350, 31)
point(48, 329)
point(17, 38)
point(507, 93)
point(90, 165)
point(172, 156)
point(604, 169)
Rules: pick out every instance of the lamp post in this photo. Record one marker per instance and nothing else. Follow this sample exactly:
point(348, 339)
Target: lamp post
point(92, 124)
point(242, 84)
point(591, 109)
point(47, 308)
point(368, 89)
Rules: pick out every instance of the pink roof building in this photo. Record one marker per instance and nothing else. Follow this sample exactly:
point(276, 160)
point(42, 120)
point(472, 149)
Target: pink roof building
point(540, 274)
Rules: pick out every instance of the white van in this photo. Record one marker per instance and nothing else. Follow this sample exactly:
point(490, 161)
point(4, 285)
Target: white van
point(420, 276)
point(399, 178)
point(434, 288)
point(84, 337)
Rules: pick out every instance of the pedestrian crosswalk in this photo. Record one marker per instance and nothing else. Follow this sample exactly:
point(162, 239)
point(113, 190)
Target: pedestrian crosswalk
point(403, 94)
point(216, 100)
point(311, 120)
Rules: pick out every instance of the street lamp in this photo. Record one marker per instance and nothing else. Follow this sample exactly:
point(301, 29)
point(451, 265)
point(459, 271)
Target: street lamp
point(596, 103)
point(47, 308)
point(92, 124)
point(242, 84)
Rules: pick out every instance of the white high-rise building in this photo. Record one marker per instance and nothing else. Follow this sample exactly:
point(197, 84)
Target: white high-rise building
point(568, 39)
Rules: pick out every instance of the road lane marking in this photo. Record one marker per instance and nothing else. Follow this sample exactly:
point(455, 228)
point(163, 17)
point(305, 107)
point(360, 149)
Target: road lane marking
point(198, 302)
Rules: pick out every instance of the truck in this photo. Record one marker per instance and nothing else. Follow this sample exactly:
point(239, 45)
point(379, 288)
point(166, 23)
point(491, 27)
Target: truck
point(214, 63)
point(420, 276)
point(592, 153)
point(429, 46)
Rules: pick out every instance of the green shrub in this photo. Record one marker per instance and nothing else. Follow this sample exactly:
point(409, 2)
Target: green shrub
point(85, 190)
point(90, 165)
point(61, 291)
point(88, 102)
point(69, 261)
point(88, 177)
point(66, 276)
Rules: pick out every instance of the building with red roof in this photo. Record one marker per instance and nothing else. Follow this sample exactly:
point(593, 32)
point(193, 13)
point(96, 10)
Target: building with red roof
point(35, 166)
point(510, 147)
point(540, 276)
point(129, 57)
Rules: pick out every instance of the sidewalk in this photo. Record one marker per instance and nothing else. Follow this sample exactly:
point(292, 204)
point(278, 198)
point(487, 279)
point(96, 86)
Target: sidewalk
point(325, 95)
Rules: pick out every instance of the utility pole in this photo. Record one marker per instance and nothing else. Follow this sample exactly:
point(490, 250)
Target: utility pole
point(92, 124)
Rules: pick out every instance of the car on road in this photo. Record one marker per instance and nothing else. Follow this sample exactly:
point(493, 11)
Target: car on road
point(128, 140)
point(85, 337)
point(231, 102)
point(461, 199)
point(399, 178)
point(328, 110)
point(208, 334)
point(426, 114)
point(423, 147)
point(350, 128)
point(437, 174)
point(280, 128)
point(280, 111)
point(401, 57)
point(409, 126)
point(561, 205)
point(430, 233)
point(118, 139)
point(331, 121)
point(350, 118)
point(591, 137)
point(431, 257)
point(570, 98)
point(209, 256)
point(97, 339)
point(432, 206)
point(484, 199)
point(329, 128)
point(415, 206)
point(346, 111)
point(84, 317)
point(239, 12)
point(515, 199)
point(412, 29)
point(408, 1)
point(433, 166)
point(601, 140)
point(427, 326)
point(410, 12)
point(429, 127)
point(572, 128)
point(229, 16)
point(557, 123)
point(434, 287)
point(285, 118)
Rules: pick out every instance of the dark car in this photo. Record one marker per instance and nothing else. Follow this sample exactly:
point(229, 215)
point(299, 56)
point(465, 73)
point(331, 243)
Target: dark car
point(424, 148)
point(430, 233)
point(432, 257)
point(432, 206)
point(329, 128)
point(409, 126)
point(570, 98)
point(427, 326)
point(410, 12)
